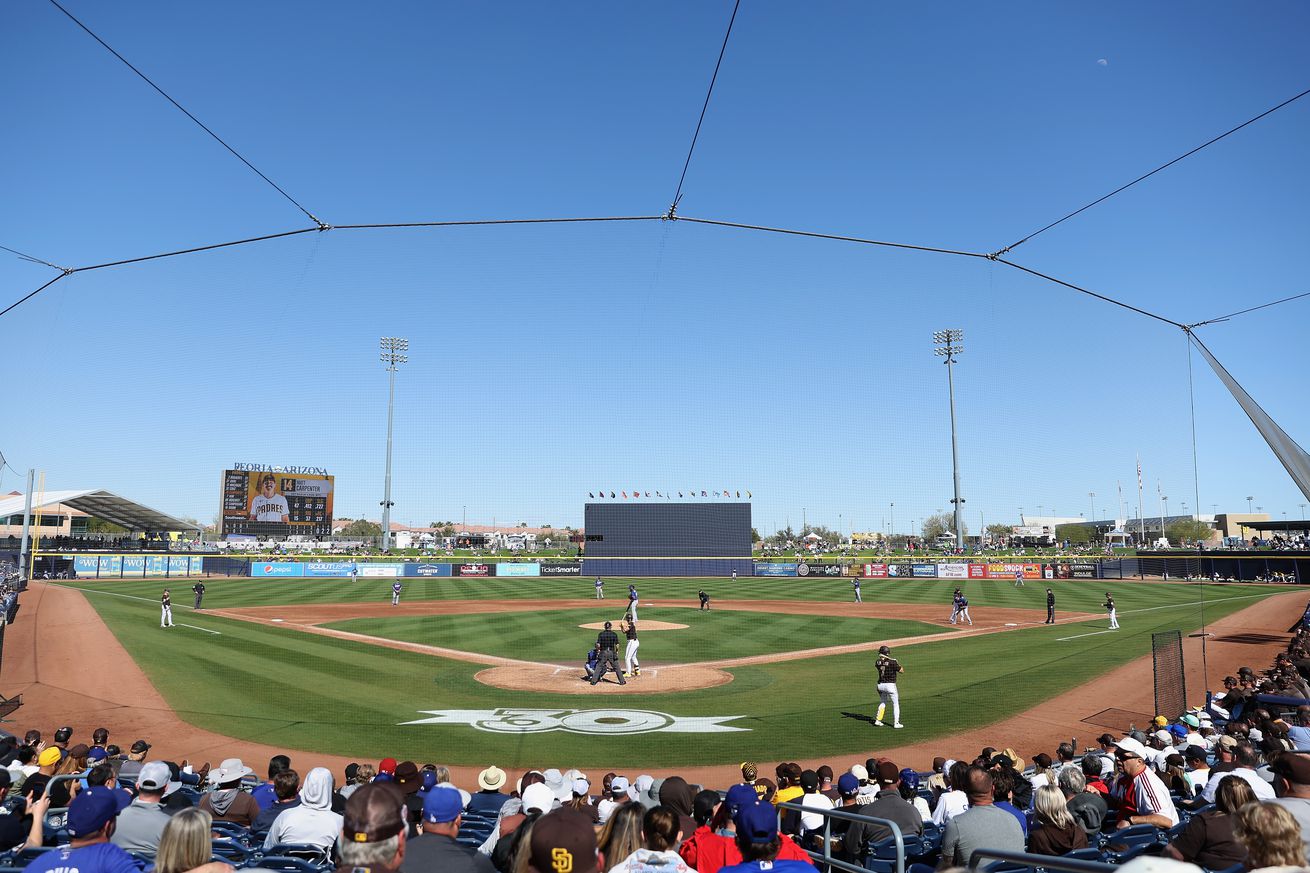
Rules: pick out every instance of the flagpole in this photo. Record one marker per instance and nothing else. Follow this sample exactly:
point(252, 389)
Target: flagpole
point(1141, 517)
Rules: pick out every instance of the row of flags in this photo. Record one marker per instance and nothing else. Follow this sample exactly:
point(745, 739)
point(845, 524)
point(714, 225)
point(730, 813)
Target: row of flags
point(661, 495)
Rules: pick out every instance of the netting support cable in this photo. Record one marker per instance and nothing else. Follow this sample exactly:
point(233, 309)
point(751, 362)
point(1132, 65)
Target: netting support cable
point(1252, 309)
point(1083, 290)
point(32, 259)
point(677, 195)
point(21, 301)
point(830, 236)
point(495, 221)
point(319, 224)
point(1163, 166)
point(1191, 401)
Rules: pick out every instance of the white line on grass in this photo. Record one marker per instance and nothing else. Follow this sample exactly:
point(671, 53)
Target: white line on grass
point(205, 629)
point(135, 597)
point(1092, 634)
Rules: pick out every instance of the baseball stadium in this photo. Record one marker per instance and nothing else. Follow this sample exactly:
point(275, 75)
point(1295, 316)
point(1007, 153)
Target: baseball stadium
point(671, 524)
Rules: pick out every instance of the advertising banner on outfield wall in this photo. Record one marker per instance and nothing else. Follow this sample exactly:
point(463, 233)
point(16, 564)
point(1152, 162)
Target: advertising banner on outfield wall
point(507, 568)
point(112, 565)
point(852, 570)
point(899, 571)
point(328, 568)
point(426, 570)
point(977, 571)
point(952, 571)
point(875, 571)
point(85, 565)
point(924, 571)
point(561, 568)
point(273, 568)
point(475, 569)
point(179, 565)
point(156, 565)
point(1007, 571)
point(1084, 571)
point(134, 565)
point(818, 569)
point(374, 569)
point(772, 569)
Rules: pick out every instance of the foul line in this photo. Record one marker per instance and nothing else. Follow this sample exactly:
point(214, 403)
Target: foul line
point(1166, 606)
point(1092, 634)
point(136, 597)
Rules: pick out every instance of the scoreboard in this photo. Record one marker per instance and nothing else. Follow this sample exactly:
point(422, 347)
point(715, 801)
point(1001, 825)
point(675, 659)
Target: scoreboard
point(275, 504)
point(678, 530)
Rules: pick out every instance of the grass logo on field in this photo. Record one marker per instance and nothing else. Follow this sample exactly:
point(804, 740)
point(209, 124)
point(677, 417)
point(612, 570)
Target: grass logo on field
point(603, 722)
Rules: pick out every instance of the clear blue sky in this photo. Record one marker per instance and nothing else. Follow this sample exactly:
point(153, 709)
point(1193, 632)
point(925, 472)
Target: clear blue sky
point(550, 361)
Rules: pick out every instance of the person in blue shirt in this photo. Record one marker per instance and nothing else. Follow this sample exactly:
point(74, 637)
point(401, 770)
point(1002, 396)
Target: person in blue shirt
point(759, 843)
point(91, 820)
point(592, 658)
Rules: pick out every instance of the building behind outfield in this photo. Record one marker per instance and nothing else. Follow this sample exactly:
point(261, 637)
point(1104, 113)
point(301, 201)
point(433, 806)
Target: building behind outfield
point(667, 539)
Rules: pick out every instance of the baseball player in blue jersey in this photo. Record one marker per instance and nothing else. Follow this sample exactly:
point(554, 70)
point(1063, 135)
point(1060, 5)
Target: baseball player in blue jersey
point(964, 610)
point(858, 597)
point(395, 593)
point(633, 600)
point(600, 589)
point(955, 605)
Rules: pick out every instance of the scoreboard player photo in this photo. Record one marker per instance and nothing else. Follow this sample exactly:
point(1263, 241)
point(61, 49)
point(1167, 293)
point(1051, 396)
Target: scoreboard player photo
point(268, 505)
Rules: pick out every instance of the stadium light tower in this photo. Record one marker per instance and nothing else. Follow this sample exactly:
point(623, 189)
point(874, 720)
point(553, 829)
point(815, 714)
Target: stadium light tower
point(393, 355)
point(950, 343)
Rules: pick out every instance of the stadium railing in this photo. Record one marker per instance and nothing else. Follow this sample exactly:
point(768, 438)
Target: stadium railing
point(825, 857)
point(1025, 860)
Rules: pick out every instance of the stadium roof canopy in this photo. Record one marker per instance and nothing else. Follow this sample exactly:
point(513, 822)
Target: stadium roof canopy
point(101, 504)
point(1288, 526)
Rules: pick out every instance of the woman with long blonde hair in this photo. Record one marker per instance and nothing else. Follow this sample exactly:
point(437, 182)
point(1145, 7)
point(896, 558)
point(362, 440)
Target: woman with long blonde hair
point(1056, 832)
point(1272, 836)
point(186, 845)
point(621, 834)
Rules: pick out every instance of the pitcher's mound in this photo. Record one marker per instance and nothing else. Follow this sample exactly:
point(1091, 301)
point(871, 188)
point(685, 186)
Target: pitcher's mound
point(568, 680)
point(641, 625)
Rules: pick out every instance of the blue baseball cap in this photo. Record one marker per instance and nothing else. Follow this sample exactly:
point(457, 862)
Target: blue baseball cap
point(757, 822)
point(95, 807)
point(909, 778)
point(740, 795)
point(442, 805)
point(848, 784)
point(1178, 730)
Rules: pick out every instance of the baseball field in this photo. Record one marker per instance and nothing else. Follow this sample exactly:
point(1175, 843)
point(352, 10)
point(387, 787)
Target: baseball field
point(473, 671)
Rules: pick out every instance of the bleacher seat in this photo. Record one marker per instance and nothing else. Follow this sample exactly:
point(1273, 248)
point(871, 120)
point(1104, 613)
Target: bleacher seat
point(282, 863)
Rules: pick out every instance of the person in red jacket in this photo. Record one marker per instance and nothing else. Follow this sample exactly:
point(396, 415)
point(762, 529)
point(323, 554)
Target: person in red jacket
point(714, 846)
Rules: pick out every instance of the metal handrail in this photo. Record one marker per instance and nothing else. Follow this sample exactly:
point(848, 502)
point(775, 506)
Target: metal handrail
point(841, 813)
point(1046, 862)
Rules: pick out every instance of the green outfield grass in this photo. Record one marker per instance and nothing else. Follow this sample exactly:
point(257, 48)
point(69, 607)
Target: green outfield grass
point(554, 636)
point(299, 691)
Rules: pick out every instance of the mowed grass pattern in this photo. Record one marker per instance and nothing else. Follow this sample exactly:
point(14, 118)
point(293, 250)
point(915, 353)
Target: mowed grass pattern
point(299, 691)
point(554, 636)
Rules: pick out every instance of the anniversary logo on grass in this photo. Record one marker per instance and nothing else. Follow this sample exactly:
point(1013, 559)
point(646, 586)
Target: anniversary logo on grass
point(578, 721)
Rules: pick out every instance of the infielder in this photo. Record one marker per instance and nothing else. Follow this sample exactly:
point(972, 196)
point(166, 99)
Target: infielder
point(632, 667)
point(166, 609)
point(964, 610)
point(704, 601)
point(1050, 606)
point(858, 597)
point(600, 589)
point(607, 643)
point(1018, 578)
point(1109, 609)
point(955, 605)
point(633, 600)
point(395, 593)
point(198, 590)
point(888, 668)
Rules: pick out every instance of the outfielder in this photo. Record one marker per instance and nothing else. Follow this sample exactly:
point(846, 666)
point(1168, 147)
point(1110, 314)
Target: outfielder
point(888, 668)
point(607, 643)
point(633, 600)
point(600, 589)
point(858, 597)
point(632, 667)
point(198, 590)
point(166, 609)
point(395, 593)
point(1110, 611)
point(1018, 578)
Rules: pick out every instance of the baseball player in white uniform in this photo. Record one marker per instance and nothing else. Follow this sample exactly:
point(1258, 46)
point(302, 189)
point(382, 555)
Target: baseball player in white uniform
point(600, 589)
point(888, 669)
point(633, 600)
point(1018, 579)
point(1111, 611)
point(166, 609)
point(955, 605)
point(631, 666)
point(268, 505)
point(396, 588)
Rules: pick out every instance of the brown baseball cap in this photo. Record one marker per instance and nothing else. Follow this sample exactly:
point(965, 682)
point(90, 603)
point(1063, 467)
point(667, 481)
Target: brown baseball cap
point(888, 773)
point(407, 777)
point(563, 840)
point(373, 813)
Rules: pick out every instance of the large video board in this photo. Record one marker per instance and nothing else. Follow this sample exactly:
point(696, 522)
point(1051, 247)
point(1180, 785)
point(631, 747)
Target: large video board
point(672, 530)
point(268, 503)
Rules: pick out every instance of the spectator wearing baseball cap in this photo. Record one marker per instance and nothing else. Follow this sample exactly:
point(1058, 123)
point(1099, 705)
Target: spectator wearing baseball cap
point(1292, 785)
point(789, 783)
point(373, 830)
point(136, 756)
point(760, 845)
point(435, 848)
point(810, 797)
point(619, 794)
point(141, 824)
point(887, 804)
point(47, 761)
point(564, 840)
point(91, 820)
point(489, 797)
point(719, 849)
point(1138, 793)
